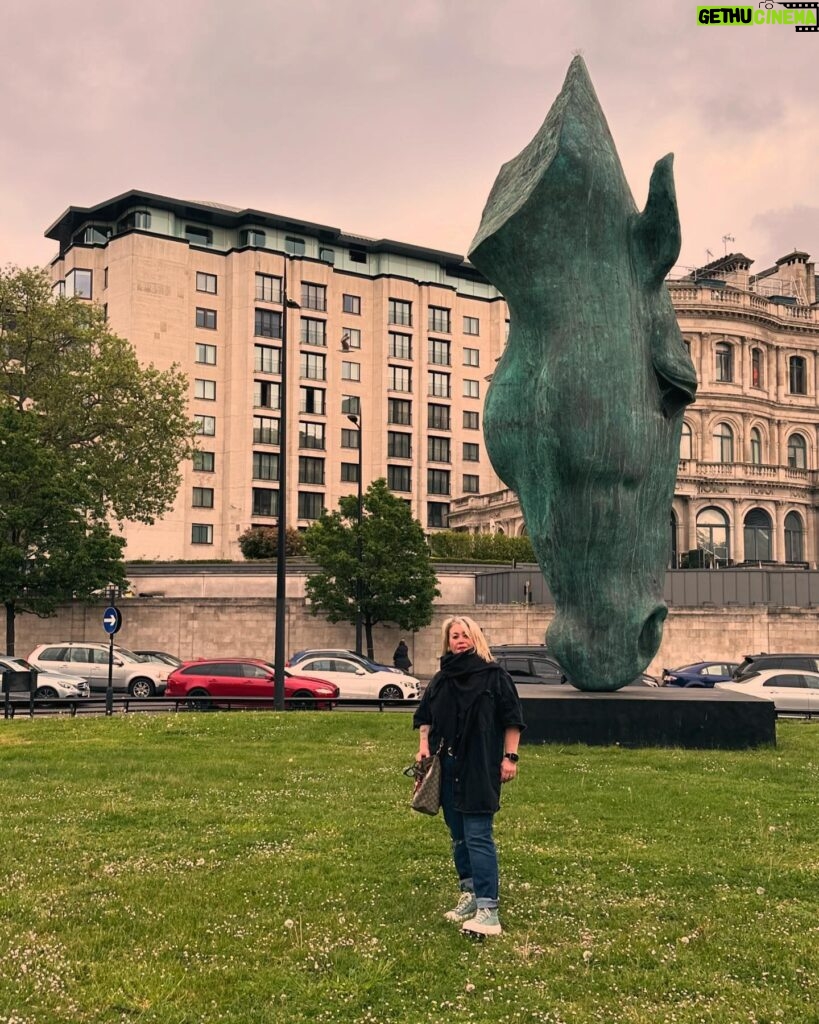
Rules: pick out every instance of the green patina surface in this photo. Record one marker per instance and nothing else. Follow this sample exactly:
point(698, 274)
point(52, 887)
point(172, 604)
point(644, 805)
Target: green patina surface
point(583, 416)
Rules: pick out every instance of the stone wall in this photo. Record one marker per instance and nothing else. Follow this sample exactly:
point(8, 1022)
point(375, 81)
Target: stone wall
point(208, 627)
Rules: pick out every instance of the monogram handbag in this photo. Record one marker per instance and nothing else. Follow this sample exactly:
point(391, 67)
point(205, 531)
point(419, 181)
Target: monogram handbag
point(426, 797)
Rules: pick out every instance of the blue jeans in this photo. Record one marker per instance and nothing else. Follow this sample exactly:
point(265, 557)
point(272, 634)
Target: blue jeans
point(473, 846)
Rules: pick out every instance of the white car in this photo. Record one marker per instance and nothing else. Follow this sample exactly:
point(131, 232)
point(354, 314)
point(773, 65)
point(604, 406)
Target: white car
point(791, 690)
point(355, 681)
point(89, 660)
point(50, 685)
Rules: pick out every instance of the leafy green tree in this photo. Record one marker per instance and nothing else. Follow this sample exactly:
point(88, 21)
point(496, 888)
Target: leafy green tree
point(262, 542)
point(393, 579)
point(110, 432)
point(480, 547)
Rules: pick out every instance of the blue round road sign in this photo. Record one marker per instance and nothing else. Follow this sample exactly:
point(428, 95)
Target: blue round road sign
point(112, 620)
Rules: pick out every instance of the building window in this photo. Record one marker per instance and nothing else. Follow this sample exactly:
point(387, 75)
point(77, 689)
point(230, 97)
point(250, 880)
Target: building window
point(438, 384)
point(350, 438)
point(203, 497)
point(685, 442)
point(438, 320)
point(204, 462)
point(438, 481)
point(327, 255)
point(798, 375)
point(438, 449)
point(313, 296)
point(471, 483)
point(471, 421)
point(201, 533)
point(205, 425)
point(757, 536)
point(350, 371)
point(352, 337)
point(400, 346)
point(265, 466)
point(399, 410)
point(79, 283)
point(295, 246)
point(350, 405)
point(205, 389)
point(267, 394)
point(252, 236)
point(267, 323)
point(797, 452)
point(205, 354)
point(723, 443)
point(137, 219)
point(265, 430)
point(439, 352)
point(756, 446)
point(472, 325)
point(312, 366)
point(399, 445)
point(398, 478)
point(267, 359)
point(438, 416)
point(757, 369)
point(399, 312)
point(206, 318)
point(358, 256)
point(351, 304)
point(268, 288)
point(197, 235)
point(205, 282)
point(265, 501)
point(472, 452)
point(437, 513)
point(725, 362)
point(310, 505)
point(311, 470)
point(313, 332)
point(400, 378)
point(349, 472)
point(713, 535)
point(472, 389)
point(311, 435)
point(312, 401)
point(794, 538)
point(472, 357)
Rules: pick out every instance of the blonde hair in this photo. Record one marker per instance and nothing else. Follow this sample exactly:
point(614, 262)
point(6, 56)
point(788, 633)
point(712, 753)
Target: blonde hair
point(472, 630)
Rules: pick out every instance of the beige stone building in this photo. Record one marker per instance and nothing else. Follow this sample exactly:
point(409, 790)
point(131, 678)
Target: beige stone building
point(748, 480)
point(400, 337)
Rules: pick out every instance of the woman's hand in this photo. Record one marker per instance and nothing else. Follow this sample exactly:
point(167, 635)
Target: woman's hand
point(508, 770)
point(423, 751)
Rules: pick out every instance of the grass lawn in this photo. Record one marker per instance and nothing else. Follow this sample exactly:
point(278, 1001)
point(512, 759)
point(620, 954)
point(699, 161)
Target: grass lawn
point(255, 867)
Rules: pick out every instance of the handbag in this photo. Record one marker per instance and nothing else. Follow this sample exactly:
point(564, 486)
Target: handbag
point(426, 797)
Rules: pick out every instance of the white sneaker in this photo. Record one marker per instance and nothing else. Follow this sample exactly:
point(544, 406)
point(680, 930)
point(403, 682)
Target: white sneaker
point(485, 922)
point(466, 908)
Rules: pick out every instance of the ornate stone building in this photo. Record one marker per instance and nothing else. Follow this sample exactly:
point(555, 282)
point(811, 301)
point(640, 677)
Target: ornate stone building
point(749, 459)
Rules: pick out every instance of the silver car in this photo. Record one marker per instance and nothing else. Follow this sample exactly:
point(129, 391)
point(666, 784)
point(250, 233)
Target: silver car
point(50, 685)
point(130, 674)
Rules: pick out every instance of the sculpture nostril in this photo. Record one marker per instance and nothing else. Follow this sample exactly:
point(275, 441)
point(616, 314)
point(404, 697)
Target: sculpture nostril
point(652, 632)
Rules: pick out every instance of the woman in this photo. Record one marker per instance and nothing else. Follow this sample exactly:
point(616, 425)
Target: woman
point(471, 710)
point(401, 658)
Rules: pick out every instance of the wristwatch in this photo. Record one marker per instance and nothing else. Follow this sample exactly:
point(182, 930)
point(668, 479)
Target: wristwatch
point(512, 757)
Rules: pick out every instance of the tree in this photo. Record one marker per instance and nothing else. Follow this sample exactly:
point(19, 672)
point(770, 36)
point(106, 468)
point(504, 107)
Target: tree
point(394, 581)
point(98, 438)
point(262, 542)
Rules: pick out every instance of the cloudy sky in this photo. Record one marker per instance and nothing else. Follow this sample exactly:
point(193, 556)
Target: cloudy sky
point(391, 118)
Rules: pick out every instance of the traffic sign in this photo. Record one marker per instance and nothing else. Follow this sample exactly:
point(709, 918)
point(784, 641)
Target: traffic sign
point(112, 620)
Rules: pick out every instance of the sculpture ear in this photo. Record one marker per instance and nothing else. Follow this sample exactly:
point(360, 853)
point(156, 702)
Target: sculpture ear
point(657, 228)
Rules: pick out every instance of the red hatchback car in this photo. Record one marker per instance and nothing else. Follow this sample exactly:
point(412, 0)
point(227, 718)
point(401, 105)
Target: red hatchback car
point(247, 682)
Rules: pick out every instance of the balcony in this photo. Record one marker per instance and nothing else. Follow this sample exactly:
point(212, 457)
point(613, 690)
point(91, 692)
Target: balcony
point(747, 472)
point(685, 294)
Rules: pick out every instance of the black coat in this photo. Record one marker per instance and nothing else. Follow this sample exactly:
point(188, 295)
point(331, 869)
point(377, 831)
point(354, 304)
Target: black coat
point(401, 657)
point(495, 707)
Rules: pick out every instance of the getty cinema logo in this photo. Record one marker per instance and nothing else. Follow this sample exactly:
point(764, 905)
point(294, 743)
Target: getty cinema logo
point(802, 16)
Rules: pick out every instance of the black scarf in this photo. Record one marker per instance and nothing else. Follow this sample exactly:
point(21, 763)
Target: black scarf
point(463, 678)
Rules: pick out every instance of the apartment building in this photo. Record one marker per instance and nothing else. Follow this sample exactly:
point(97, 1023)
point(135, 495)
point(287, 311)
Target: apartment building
point(378, 351)
point(748, 479)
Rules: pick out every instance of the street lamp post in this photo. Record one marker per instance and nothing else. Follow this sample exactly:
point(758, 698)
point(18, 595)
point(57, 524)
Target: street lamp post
point(281, 540)
point(356, 418)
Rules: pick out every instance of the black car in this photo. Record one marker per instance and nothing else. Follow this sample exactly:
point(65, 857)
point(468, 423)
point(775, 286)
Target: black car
point(528, 663)
point(754, 663)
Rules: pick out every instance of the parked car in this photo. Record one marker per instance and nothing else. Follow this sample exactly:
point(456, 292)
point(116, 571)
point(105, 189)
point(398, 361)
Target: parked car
point(89, 660)
point(49, 685)
point(161, 657)
point(754, 663)
point(376, 666)
point(355, 680)
point(700, 674)
point(793, 691)
point(528, 664)
point(204, 683)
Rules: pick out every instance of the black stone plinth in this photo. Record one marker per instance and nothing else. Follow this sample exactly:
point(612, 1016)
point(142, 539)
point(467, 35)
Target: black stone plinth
point(648, 717)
